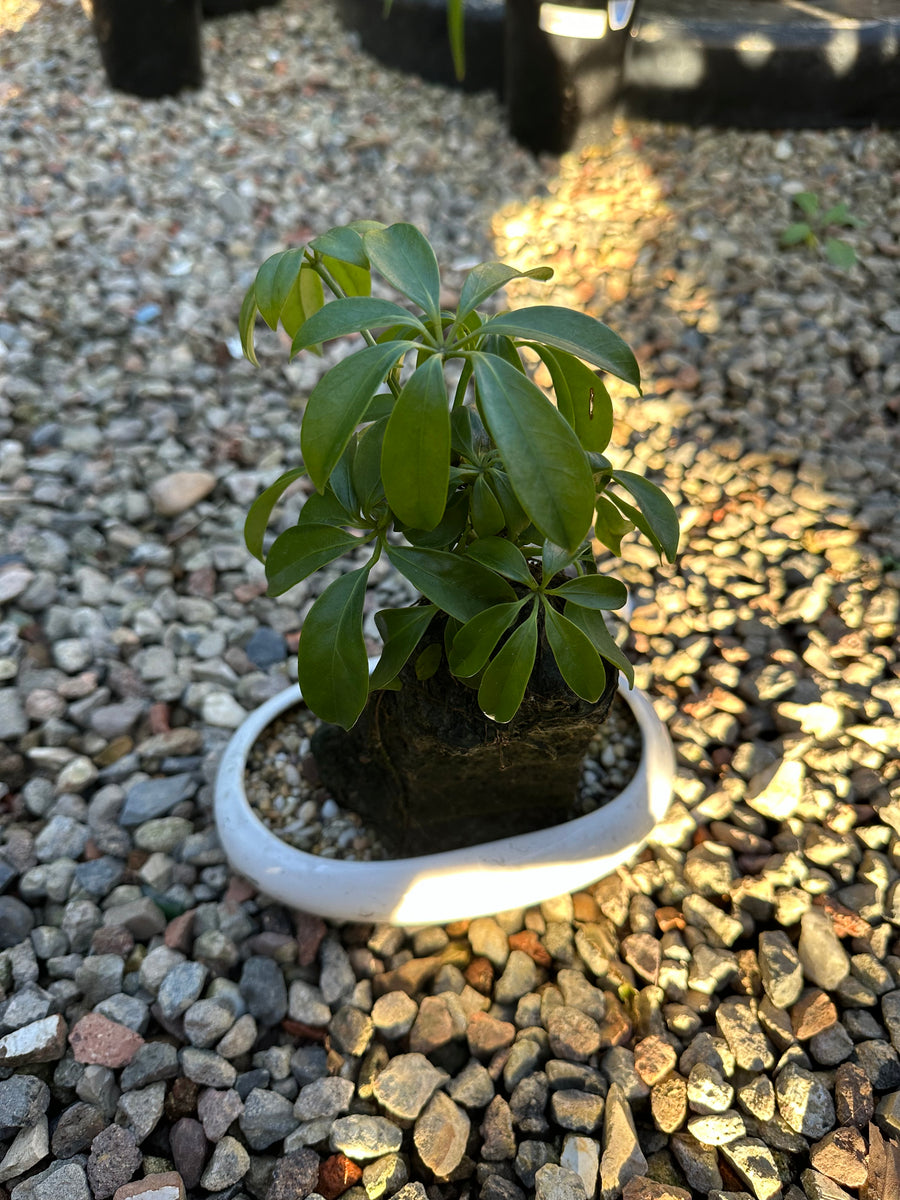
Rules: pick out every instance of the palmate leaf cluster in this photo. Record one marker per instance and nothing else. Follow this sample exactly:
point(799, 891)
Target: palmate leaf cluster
point(483, 493)
point(813, 229)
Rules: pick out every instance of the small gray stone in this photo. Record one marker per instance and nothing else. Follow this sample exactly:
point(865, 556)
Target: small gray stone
point(558, 1183)
point(780, 968)
point(61, 1181)
point(153, 1062)
point(30, 1145)
point(113, 1160)
point(746, 1040)
point(498, 1138)
point(228, 1165)
point(406, 1085)
point(23, 1100)
point(140, 1111)
point(752, 1161)
point(76, 1129)
point(263, 988)
point(325, 1098)
point(16, 921)
point(440, 1135)
point(804, 1101)
point(825, 961)
point(622, 1157)
point(180, 988)
point(473, 1086)
point(363, 1138)
point(155, 798)
point(267, 1118)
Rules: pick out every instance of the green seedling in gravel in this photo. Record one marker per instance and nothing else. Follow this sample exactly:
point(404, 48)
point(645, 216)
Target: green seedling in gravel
point(813, 229)
point(431, 446)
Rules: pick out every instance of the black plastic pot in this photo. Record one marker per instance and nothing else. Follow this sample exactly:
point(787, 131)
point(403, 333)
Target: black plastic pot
point(414, 39)
point(564, 66)
point(223, 8)
point(149, 48)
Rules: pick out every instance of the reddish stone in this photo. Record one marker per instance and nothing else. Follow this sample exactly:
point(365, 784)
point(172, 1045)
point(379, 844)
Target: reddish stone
point(486, 1035)
point(112, 939)
point(529, 942)
point(846, 922)
point(813, 1013)
point(166, 1185)
point(654, 1059)
point(244, 593)
point(239, 890)
point(841, 1155)
point(457, 929)
point(585, 907)
point(669, 918)
point(336, 1175)
point(181, 1099)
point(179, 933)
point(299, 1029)
point(97, 1039)
point(158, 717)
point(202, 582)
point(310, 932)
point(643, 1188)
point(480, 975)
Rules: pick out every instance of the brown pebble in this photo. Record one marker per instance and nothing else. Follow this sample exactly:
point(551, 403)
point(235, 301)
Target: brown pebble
point(310, 932)
point(813, 1013)
point(643, 1188)
point(336, 1175)
point(642, 953)
point(486, 1035)
point(846, 922)
point(530, 943)
point(669, 918)
point(179, 933)
point(585, 907)
point(479, 974)
point(112, 939)
point(854, 1100)
point(615, 1028)
point(654, 1059)
point(181, 1099)
point(668, 1103)
point(841, 1155)
point(457, 929)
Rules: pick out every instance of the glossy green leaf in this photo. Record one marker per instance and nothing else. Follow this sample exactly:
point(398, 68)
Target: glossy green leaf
point(246, 325)
point(515, 519)
point(504, 348)
point(610, 525)
point(338, 403)
point(546, 466)
point(475, 641)
point(261, 510)
point(594, 591)
point(343, 244)
point(506, 677)
point(457, 585)
point(351, 315)
point(406, 260)
point(656, 507)
point(448, 530)
point(324, 508)
point(586, 398)
point(579, 663)
point(415, 459)
point(591, 622)
point(352, 280)
point(461, 440)
point(401, 631)
point(293, 310)
point(555, 559)
point(332, 664)
point(503, 557)
point(303, 549)
point(365, 472)
point(485, 511)
point(574, 332)
point(487, 278)
point(456, 36)
point(341, 479)
point(275, 281)
point(428, 661)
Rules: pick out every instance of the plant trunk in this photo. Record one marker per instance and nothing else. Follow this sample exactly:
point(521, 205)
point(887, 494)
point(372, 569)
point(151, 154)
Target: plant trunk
point(150, 48)
point(430, 772)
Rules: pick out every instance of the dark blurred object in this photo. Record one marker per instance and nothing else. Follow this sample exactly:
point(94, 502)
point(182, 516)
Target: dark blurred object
point(414, 39)
point(564, 67)
point(221, 8)
point(150, 48)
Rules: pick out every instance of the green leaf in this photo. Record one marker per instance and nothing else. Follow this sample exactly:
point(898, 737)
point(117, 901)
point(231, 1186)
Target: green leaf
point(574, 332)
point(515, 518)
point(579, 663)
point(365, 472)
point(303, 549)
point(428, 661)
point(338, 403)
point(838, 214)
point(796, 233)
point(275, 280)
point(343, 244)
point(352, 280)
point(503, 557)
point(459, 586)
point(485, 510)
point(332, 665)
point(401, 631)
point(261, 510)
point(594, 591)
point(406, 260)
point(546, 466)
point(839, 253)
point(246, 323)
point(487, 278)
point(324, 508)
point(591, 622)
point(610, 526)
point(448, 530)
point(807, 202)
point(506, 676)
point(475, 641)
point(351, 315)
point(461, 431)
point(304, 298)
point(341, 479)
point(656, 507)
point(555, 559)
point(415, 460)
point(587, 398)
point(455, 33)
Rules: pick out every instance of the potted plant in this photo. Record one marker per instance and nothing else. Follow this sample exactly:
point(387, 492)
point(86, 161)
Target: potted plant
point(430, 446)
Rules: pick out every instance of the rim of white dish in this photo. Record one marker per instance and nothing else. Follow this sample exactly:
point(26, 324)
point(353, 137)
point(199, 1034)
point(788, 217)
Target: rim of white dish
point(508, 868)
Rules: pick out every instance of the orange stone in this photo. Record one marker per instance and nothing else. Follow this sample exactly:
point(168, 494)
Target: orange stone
point(336, 1175)
point(97, 1039)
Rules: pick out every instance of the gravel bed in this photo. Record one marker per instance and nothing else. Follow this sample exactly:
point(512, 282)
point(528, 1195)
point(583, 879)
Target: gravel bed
point(722, 1016)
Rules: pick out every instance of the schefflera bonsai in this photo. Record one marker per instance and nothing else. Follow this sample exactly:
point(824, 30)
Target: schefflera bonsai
point(430, 445)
